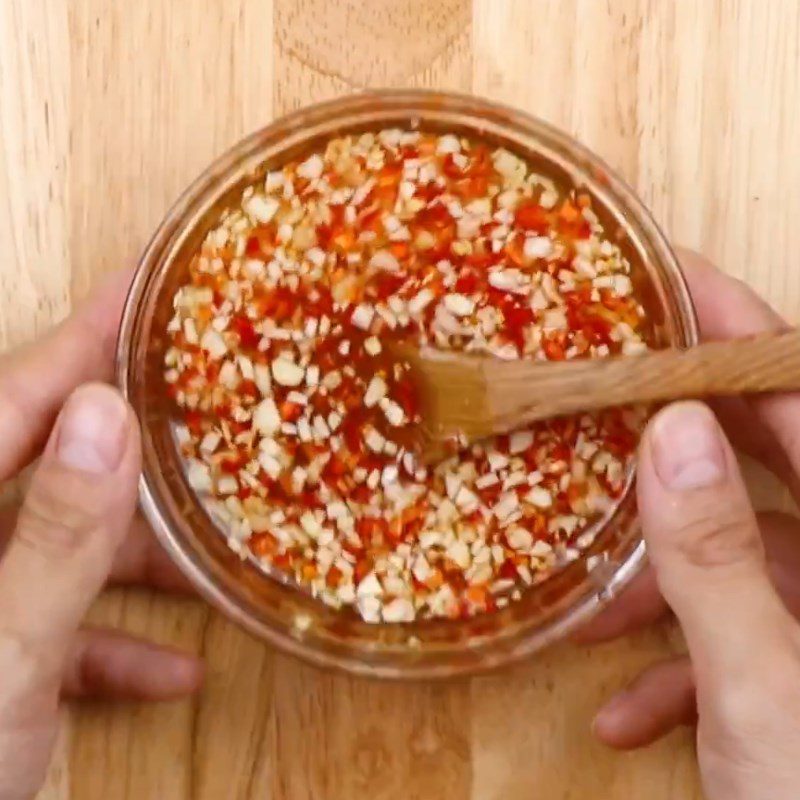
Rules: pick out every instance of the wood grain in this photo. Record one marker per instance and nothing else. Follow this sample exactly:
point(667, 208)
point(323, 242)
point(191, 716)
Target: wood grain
point(108, 109)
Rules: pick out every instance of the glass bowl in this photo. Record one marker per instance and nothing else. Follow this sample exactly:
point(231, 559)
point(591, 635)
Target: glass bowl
point(279, 613)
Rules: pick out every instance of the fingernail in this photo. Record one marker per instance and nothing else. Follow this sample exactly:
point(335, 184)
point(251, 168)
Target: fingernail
point(174, 674)
point(687, 447)
point(187, 674)
point(611, 714)
point(92, 430)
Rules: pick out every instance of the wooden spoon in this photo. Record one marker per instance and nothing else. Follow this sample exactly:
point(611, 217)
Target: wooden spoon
point(473, 396)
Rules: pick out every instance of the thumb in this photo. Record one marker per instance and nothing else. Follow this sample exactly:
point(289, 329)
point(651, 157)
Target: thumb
point(77, 509)
point(706, 548)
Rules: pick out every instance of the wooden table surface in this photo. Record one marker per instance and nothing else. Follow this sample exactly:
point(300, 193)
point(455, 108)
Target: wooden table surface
point(108, 109)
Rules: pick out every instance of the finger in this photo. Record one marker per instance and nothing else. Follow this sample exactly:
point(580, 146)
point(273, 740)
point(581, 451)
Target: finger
point(642, 605)
point(663, 697)
point(729, 309)
point(78, 507)
point(140, 560)
point(726, 307)
point(705, 547)
point(781, 535)
point(748, 434)
point(111, 665)
point(660, 699)
point(639, 605)
point(37, 378)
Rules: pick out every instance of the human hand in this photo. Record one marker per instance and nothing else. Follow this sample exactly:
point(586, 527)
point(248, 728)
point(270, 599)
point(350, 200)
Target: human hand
point(710, 565)
point(72, 534)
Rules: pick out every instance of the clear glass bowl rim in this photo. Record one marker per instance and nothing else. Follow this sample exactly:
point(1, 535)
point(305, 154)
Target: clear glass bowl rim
point(473, 654)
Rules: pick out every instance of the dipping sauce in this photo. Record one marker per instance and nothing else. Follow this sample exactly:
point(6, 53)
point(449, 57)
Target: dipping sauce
point(295, 425)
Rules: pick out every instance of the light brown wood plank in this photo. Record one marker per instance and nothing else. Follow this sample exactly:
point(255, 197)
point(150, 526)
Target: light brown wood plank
point(158, 90)
point(572, 64)
point(326, 49)
point(531, 734)
point(34, 141)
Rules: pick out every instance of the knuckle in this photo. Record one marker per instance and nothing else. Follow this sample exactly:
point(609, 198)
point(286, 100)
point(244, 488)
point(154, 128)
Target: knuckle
point(716, 536)
point(55, 521)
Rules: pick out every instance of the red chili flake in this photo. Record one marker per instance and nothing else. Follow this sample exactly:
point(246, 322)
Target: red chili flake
point(263, 544)
point(194, 421)
point(532, 217)
point(370, 218)
point(386, 196)
point(482, 260)
point(290, 412)
point(282, 561)
point(333, 577)
point(238, 427)
point(450, 168)
point(467, 283)
point(248, 389)
point(351, 430)
point(428, 192)
point(400, 250)
point(261, 242)
point(386, 284)
point(277, 304)
point(211, 371)
point(481, 162)
point(337, 466)
point(471, 188)
point(231, 466)
point(361, 494)
point(405, 394)
point(248, 338)
point(554, 349)
point(517, 319)
point(391, 173)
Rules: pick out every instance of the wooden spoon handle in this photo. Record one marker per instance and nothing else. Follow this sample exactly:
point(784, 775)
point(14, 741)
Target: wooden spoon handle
point(524, 391)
